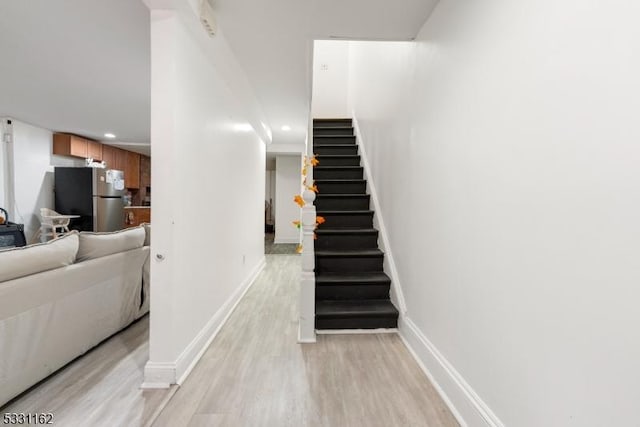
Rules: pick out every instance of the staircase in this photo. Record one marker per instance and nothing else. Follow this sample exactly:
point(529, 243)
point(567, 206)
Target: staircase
point(352, 291)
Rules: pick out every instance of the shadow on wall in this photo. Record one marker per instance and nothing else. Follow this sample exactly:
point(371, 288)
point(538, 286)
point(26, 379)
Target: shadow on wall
point(44, 200)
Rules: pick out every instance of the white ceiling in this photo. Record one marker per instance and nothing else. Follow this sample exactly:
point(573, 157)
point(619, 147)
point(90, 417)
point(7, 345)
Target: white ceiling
point(78, 66)
point(273, 42)
point(83, 66)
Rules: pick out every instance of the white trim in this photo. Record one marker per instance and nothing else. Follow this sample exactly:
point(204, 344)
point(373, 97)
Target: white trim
point(465, 404)
point(356, 331)
point(158, 375)
point(280, 240)
point(390, 266)
point(194, 351)
point(304, 340)
point(163, 374)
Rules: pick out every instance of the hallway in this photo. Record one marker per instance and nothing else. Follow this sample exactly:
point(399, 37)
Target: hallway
point(255, 374)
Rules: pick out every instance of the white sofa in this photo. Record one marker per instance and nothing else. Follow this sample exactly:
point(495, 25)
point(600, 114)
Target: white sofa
point(61, 298)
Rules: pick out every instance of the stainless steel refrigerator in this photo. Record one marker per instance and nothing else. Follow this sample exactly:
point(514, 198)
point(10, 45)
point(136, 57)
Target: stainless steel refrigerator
point(95, 194)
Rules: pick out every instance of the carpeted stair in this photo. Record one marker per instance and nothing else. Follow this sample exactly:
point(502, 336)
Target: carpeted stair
point(352, 290)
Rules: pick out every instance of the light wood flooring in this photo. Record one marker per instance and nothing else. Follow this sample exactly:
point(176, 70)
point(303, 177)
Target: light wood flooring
point(100, 388)
point(253, 374)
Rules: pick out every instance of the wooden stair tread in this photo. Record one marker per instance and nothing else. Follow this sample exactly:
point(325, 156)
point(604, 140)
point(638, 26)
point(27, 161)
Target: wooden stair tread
point(321, 231)
point(332, 279)
point(336, 212)
point(355, 308)
point(349, 253)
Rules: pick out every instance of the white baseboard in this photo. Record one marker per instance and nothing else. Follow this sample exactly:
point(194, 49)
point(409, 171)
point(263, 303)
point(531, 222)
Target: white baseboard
point(462, 400)
point(356, 331)
point(162, 375)
point(158, 375)
point(389, 264)
point(194, 351)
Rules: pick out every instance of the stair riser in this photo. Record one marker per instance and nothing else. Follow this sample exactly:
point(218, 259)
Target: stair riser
point(354, 173)
point(357, 323)
point(352, 292)
point(347, 140)
point(339, 161)
point(342, 204)
point(328, 241)
point(326, 132)
point(353, 264)
point(346, 150)
point(347, 221)
point(342, 187)
point(332, 123)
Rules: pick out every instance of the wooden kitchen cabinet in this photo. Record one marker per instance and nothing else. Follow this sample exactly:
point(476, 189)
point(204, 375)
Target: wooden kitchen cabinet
point(145, 171)
point(94, 150)
point(65, 144)
point(120, 162)
point(132, 170)
point(109, 156)
point(136, 215)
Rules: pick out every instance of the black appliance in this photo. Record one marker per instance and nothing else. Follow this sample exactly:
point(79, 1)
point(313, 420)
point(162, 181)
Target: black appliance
point(11, 234)
point(95, 194)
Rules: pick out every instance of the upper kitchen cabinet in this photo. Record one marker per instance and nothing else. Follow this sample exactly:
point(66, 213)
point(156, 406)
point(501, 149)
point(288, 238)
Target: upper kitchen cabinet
point(132, 170)
point(109, 156)
point(145, 171)
point(94, 150)
point(120, 162)
point(65, 144)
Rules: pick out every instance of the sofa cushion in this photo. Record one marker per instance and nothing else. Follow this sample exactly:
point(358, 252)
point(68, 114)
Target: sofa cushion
point(96, 245)
point(147, 231)
point(32, 259)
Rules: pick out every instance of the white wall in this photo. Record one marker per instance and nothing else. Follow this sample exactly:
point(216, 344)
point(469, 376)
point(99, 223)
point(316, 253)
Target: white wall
point(330, 79)
point(33, 174)
point(208, 183)
point(4, 168)
point(270, 191)
point(507, 171)
point(288, 184)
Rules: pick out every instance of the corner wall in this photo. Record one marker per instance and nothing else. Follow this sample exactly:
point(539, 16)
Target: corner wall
point(209, 185)
point(32, 180)
point(288, 184)
point(504, 147)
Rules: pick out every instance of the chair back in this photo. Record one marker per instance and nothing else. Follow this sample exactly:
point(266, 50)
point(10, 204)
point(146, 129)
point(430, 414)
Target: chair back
point(49, 218)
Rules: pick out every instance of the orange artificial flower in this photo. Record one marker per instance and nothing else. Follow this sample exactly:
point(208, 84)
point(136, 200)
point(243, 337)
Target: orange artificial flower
point(313, 188)
point(320, 220)
point(296, 224)
point(299, 249)
point(299, 200)
point(314, 161)
point(304, 171)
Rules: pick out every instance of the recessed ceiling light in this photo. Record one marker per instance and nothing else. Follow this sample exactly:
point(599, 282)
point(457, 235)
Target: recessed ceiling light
point(286, 128)
point(109, 135)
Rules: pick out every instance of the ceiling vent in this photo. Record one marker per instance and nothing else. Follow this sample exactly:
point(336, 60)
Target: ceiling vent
point(208, 18)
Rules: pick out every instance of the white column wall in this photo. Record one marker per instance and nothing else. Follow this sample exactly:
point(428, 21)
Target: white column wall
point(4, 176)
point(504, 148)
point(208, 182)
point(288, 184)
